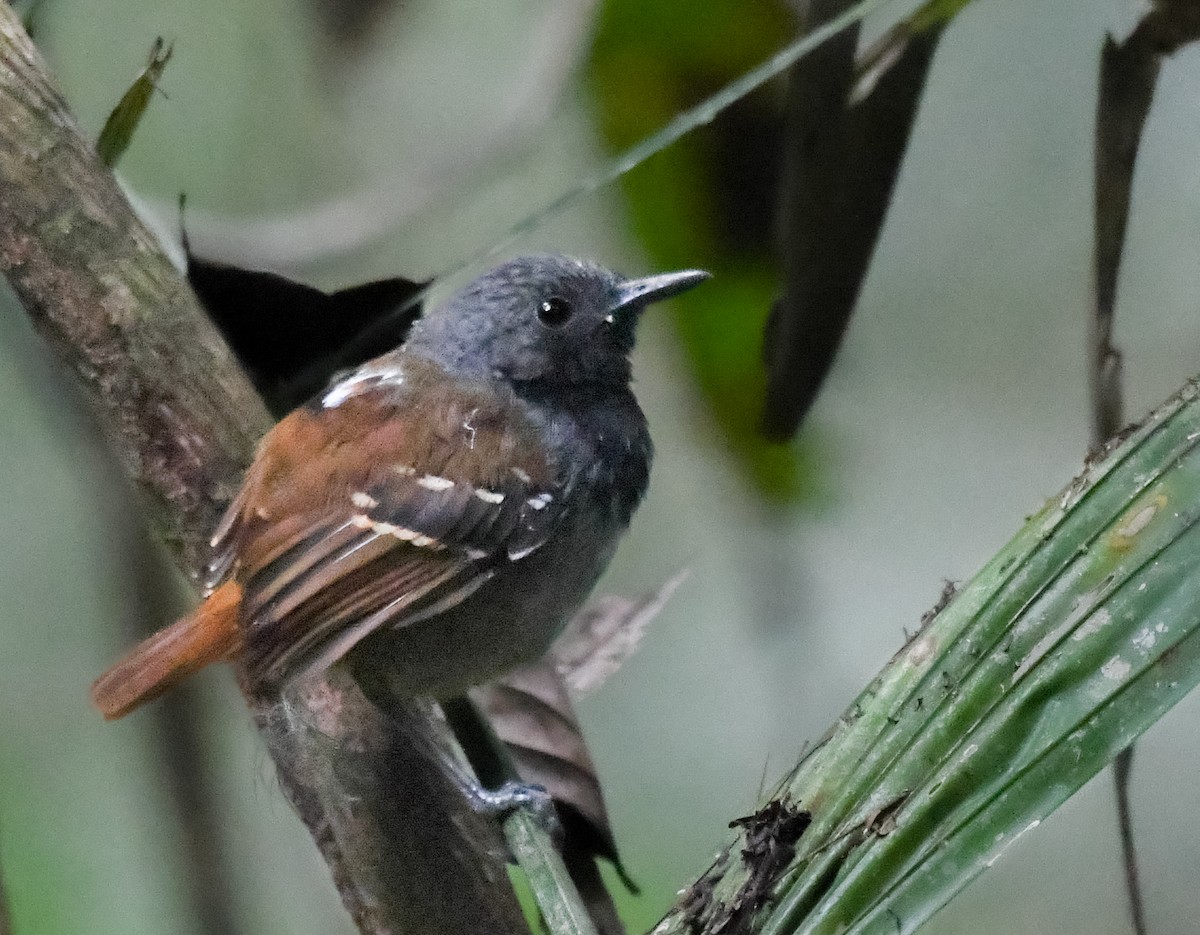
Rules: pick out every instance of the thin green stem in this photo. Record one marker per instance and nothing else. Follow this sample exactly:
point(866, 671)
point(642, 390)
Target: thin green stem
point(531, 844)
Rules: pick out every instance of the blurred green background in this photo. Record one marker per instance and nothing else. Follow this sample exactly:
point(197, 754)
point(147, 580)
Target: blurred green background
point(958, 405)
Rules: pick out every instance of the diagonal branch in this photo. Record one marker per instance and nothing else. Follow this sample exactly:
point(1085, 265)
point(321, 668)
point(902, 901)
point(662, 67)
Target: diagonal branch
point(184, 420)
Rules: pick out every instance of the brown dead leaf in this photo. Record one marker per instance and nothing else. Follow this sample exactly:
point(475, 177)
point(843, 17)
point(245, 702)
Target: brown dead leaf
point(844, 142)
point(604, 634)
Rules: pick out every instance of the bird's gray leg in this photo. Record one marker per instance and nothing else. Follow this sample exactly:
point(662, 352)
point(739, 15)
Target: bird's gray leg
point(514, 796)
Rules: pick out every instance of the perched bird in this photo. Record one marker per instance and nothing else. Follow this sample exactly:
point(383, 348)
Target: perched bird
point(448, 505)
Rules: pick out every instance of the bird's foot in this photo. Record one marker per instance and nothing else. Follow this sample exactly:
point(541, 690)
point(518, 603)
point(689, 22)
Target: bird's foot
point(514, 796)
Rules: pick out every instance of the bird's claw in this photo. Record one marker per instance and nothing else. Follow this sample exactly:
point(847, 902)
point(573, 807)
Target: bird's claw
point(513, 796)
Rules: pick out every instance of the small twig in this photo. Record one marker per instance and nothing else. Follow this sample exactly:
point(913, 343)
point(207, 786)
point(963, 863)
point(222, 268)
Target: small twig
point(1127, 81)
point(1122, 769)
point(1128, 76)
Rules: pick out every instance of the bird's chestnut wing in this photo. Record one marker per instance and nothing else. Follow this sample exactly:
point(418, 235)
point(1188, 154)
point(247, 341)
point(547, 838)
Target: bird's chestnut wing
point(368, 515)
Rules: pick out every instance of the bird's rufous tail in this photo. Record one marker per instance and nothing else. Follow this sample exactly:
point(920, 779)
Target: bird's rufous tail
point(208, 634)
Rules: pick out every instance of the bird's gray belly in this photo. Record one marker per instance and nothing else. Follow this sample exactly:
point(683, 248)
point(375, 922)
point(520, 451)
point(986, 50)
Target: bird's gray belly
point(509, 620)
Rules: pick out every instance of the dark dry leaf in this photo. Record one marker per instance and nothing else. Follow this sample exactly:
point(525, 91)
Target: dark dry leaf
point(123, 121)
point(585, 874)
point(768, 847)
point(695, 903)
point(292, 338)
point(842, 157)
point(1128, 76)
point(604, 634)
point(885, 51)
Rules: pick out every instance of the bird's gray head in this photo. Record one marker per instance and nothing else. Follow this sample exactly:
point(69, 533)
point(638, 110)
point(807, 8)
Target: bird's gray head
point(546, 319)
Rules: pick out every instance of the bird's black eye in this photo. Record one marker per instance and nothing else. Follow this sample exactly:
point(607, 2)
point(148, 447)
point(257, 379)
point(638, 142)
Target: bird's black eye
point(554, 312)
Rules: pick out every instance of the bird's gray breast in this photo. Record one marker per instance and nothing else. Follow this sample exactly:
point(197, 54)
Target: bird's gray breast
point(601, 448)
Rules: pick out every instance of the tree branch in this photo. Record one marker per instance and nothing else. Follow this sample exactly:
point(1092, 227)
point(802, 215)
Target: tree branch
point(180, 417)
point(183, 421)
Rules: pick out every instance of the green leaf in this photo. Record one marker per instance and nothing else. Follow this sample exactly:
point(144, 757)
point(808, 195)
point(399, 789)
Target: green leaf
point(1073, 640)
point(123, 121)
point(651, 61)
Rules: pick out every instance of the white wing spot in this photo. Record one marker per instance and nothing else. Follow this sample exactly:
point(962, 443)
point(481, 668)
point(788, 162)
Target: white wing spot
point(340, 393)
point(520, 475)
point(433, 482)
point(402, 533)
point(404, 470)
point(426, 542)
point(540, 502)
point(489, 496)
point(364, 501)
point(359, 381)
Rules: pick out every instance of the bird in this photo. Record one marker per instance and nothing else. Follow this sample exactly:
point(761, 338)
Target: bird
point(445, 507)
